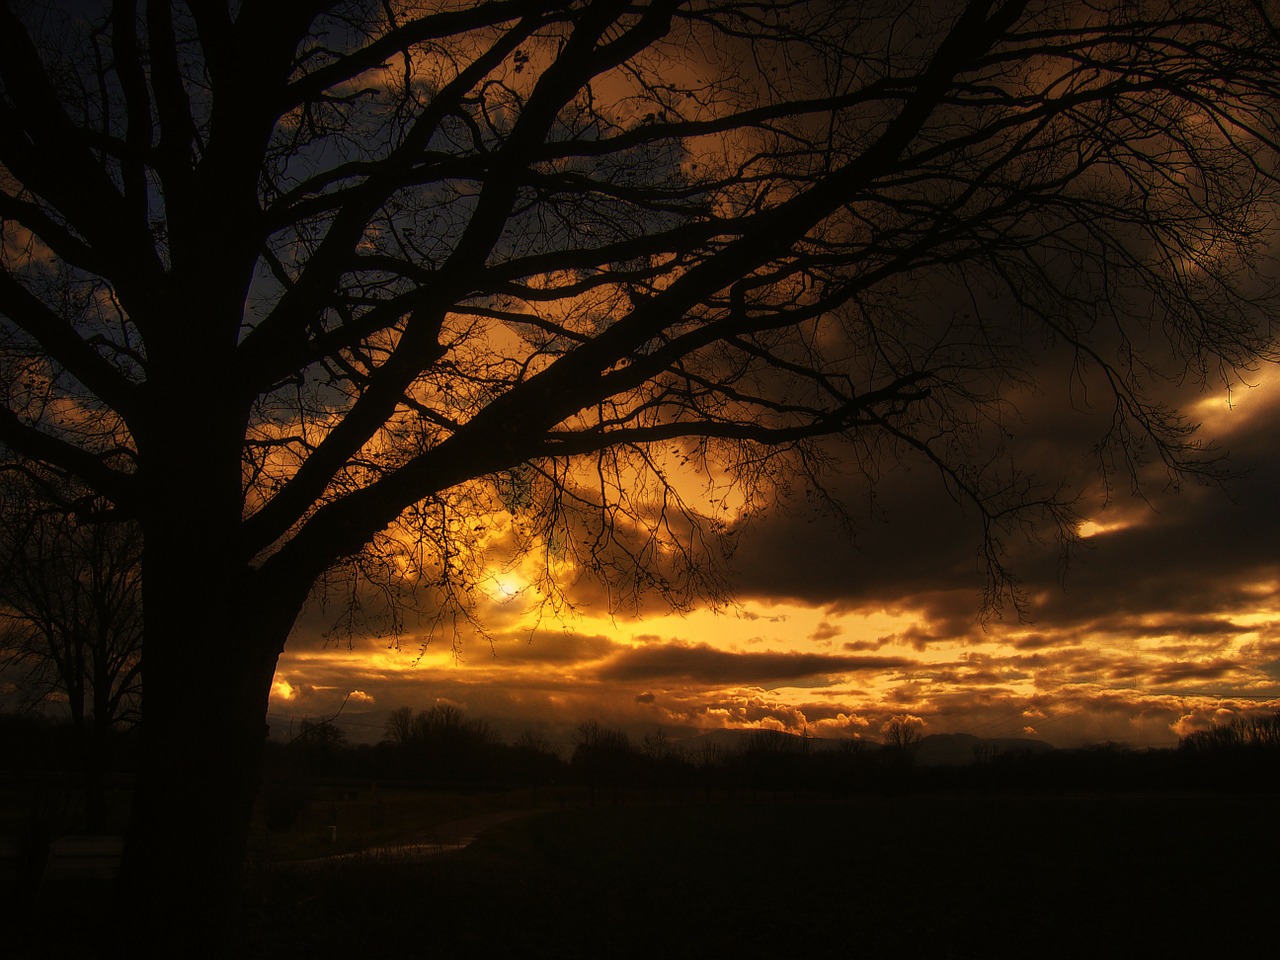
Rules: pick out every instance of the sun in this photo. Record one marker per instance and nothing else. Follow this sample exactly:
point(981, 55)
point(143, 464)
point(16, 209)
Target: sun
point(505, 586)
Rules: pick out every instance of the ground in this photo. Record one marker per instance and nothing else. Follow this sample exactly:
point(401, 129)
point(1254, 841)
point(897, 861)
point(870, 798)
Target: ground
point(896, 877)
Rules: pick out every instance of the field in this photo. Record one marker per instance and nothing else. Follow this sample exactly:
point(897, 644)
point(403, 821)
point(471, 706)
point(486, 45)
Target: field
point(932, 876)
point(937, 876)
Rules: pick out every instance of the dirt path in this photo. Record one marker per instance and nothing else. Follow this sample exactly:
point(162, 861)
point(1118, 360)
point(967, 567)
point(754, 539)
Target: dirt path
point(443, 838)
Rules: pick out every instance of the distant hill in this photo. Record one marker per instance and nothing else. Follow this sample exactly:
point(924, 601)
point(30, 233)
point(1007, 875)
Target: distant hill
point(936, 750)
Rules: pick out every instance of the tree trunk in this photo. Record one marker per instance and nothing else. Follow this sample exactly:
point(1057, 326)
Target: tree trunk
point(93, 761)
point(210, 645)
point(202, 733)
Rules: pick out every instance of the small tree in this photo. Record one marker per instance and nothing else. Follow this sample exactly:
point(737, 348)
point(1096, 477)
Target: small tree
point(317, 745)
point(657, 746)
point(534, 761)
point(902, 739)
point(71, 617)
point(399, 726)
point(603, 756)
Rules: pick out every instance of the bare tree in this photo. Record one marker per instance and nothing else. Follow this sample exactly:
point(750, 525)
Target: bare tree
point(71, 619)
point(399, 726)
point(902, 739)
point(441, 743)
point(307, 286)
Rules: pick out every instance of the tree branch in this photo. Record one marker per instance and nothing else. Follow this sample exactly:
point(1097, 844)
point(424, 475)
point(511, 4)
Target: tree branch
point(60, 340)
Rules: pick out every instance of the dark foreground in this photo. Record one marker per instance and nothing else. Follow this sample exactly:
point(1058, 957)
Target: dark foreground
point(935, 876)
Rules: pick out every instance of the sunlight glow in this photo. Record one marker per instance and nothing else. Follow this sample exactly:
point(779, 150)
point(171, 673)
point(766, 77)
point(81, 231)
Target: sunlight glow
point(1226, 411)
point(1092, 528)
point(506, 586)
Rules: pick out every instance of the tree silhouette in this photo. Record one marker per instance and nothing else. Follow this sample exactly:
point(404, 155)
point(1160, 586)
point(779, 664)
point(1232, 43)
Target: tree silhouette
point(604, 756)
point(71, 617)
point(316, 744)
point(902, 740)
point(399, 726)
point(441, 743)
point(307, 287)
point(1241, 753)
point(534, 761)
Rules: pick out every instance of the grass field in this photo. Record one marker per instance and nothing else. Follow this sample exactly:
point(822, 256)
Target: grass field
point(340, 819)
point(934, 876)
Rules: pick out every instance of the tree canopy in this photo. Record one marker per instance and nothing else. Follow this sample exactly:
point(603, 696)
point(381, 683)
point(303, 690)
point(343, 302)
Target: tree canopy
point(449, 259)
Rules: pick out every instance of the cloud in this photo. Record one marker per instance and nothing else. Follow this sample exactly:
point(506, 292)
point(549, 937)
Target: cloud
point(552, 647)
point(1191, 549)
point(1039, 640)
point(705, 664)
point(1176, 672)
point(826, 631)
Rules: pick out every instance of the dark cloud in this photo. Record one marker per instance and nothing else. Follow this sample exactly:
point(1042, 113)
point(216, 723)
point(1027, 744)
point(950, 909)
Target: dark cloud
point(802, 555)
point(701, 663)
point(917, 636)
point(826, 631)
point(552, 648)
point(908, 533)
point(856, 646)
point(1178, 672)
point(1039, 640)
point(1182, 562)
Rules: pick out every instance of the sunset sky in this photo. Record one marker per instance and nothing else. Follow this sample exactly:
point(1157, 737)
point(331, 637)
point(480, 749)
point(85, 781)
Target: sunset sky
point(1164, 619)
point(1167, 617)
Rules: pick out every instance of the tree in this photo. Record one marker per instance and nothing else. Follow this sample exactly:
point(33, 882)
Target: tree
point(603, 756)
point(71, 618)
point(902, 739)
point(534, 761)
point(307, 287)
point(441, 743)
point(399, 726)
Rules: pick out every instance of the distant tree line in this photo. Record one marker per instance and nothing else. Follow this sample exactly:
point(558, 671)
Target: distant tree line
point(441, 745)
point(1242, 736)
point(436, 745)
point(1244, 752)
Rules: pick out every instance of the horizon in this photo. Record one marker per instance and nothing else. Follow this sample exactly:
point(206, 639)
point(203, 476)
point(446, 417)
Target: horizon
point(367, 729)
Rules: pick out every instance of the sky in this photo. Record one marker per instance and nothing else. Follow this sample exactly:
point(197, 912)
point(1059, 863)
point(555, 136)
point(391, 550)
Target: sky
point(1163, 621)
